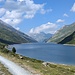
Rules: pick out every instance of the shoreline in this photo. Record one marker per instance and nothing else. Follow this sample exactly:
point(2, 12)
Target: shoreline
point(38, 67)
point(50, 61)
point(69, 44)
point(20, 61)
point(30, 67)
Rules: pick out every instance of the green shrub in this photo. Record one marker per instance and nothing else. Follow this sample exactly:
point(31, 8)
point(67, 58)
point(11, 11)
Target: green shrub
point(13, 50)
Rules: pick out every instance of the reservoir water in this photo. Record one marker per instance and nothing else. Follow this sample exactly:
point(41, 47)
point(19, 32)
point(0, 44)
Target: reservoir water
point(55, 53)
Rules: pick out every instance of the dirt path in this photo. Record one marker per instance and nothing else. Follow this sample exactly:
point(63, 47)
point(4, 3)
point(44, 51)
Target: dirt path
point(13, 68)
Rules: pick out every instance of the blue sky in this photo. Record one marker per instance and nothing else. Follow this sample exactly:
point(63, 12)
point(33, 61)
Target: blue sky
point(35, 16)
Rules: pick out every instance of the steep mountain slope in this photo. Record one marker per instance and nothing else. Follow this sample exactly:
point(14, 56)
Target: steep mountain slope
point(63, 33)
point(8, 33)
point(69, 39)
point(41, 37)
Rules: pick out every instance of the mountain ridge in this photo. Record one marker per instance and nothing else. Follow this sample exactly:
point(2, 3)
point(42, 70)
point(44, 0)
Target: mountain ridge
point(8, 33)
point(69, 39)
point(62, 33)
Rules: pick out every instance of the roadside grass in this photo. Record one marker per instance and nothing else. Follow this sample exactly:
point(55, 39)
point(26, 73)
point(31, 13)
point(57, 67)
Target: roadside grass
point(37, 66)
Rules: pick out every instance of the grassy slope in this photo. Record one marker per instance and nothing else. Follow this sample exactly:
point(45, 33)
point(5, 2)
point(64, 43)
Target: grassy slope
point(36, 66)
point(73, 40)
point(69, 39)
point(10, 34)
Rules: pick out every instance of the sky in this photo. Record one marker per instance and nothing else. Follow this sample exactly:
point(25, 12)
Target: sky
point(35, 16)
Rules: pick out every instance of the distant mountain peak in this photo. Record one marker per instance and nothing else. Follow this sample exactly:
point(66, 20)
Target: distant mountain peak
point(41, 37)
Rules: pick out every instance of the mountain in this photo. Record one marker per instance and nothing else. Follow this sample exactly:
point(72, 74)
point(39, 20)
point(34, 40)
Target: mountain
point(41, 37)
point(69, 39)
point(63, 33)
point(11, 35)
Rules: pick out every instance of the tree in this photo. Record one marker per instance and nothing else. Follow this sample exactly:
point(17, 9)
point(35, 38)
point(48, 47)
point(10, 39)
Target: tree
point(13, 50)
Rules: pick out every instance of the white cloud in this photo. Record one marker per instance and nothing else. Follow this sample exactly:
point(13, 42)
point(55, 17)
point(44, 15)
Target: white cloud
point(17, 10)
point(44, 11)
point(73, 8)
point(12, 15)
point(11, 21)
point(20, 0)
point(47, 28)
point(12, 18)
point(59, 21)
point(2, 11)
point(65, 15)
point(17, 28)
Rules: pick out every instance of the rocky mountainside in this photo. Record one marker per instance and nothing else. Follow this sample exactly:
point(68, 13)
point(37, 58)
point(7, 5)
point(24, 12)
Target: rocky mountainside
point(9, 34)
point(63, 33)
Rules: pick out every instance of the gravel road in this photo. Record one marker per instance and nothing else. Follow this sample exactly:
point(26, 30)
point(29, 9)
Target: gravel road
point(13, 68)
